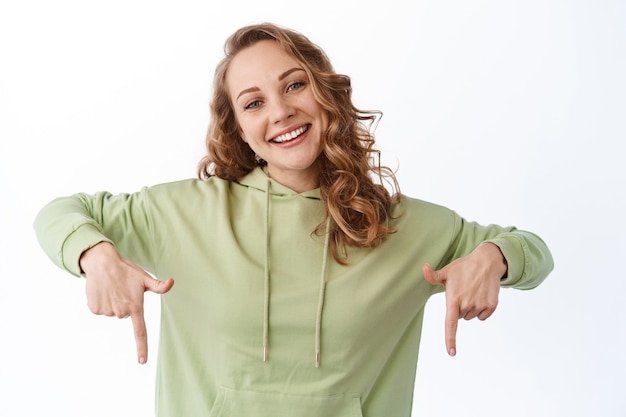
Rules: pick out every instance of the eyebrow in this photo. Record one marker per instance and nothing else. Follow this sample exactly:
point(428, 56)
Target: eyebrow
point(280, 78)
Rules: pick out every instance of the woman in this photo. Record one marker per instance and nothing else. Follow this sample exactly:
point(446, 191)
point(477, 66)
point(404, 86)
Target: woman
point(301, 271)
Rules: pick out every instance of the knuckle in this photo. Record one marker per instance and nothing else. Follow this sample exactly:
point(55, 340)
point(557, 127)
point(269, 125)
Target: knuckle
point(121, 314)
point(452, 323)
point(94, 309)
point(140, 333)
point(490, 307)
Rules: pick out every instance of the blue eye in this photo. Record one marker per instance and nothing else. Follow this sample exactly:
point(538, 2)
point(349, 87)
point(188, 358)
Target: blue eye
point(252, 105)
point(295, 86)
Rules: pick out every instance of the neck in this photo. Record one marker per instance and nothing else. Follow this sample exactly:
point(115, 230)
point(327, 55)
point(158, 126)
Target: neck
point(296, 181)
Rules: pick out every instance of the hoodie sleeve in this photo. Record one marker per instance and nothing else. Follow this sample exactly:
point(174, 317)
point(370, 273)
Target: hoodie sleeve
point(528, 257)
point(68, 226)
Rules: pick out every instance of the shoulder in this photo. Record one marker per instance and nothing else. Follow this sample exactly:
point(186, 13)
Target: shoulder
point(412, 214)
point(185, 196)
point(416, 208)
point(188, 186)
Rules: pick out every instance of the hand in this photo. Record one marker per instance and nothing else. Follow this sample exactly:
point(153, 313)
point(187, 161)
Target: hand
point(116, 286)
point(472, 286)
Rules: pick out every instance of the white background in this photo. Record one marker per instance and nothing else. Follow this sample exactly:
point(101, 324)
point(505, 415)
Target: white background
point(510, 112)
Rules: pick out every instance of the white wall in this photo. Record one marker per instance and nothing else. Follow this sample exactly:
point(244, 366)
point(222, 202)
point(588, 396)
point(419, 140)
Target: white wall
point(507, 111)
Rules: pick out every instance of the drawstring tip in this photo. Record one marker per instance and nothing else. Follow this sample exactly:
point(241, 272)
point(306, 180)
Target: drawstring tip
point(317, 359)
point(264, 354)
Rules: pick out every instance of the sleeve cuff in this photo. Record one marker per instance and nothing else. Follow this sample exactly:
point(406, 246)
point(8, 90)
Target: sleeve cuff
point(513, 252)
point(79, 241)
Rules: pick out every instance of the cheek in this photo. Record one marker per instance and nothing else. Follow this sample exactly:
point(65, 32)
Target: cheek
point(241, 131)
point(316, 109)
point(324, 118)
point(250, 129)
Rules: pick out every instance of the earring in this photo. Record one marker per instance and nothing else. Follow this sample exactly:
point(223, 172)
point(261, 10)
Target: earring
point(259, 160)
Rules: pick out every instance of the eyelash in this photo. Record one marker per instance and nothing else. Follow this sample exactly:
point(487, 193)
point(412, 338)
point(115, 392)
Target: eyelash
point(296, 85)
point(250, 106)
point(299, 85)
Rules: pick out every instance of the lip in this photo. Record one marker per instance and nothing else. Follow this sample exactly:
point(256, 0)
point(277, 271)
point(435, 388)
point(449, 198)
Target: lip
point(288, 130)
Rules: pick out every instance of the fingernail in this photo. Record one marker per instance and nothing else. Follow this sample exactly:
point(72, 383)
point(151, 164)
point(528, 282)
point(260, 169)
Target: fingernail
point(452, 352)
point(142, 360)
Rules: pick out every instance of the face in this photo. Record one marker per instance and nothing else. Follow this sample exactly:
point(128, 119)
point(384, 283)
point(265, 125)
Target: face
point(277, 113)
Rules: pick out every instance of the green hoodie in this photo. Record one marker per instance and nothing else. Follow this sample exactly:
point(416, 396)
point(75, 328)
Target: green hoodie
point(262, 322)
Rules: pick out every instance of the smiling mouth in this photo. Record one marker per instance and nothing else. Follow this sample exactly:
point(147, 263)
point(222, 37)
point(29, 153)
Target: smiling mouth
point(286, 137)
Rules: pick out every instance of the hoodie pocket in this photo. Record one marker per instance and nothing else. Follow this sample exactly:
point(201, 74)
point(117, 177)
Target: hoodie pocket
point(236, 403)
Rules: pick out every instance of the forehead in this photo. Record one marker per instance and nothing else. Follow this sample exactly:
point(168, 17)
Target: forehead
point(264, 61)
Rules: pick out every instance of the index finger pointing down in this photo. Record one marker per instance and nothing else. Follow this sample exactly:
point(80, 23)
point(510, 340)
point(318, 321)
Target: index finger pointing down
point(451, 324)
point(141, 336)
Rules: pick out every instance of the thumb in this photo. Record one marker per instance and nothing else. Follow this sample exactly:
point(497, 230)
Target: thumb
point(432, 276)
point(156, 286)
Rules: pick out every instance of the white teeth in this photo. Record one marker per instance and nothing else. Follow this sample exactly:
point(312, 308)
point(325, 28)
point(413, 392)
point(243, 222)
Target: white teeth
point(288, 136)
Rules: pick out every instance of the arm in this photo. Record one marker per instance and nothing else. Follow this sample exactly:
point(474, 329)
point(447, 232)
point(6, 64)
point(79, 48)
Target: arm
point(68, 226)
point(77, 234)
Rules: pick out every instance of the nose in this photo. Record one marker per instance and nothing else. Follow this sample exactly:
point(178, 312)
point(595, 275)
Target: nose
point(282, 109)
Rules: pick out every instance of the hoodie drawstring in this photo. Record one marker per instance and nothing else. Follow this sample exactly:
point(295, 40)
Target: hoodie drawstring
point(320, 300)
point(266, 285)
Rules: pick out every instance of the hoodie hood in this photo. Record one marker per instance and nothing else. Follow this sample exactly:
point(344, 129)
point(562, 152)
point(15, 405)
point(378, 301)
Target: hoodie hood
point(259, 180)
